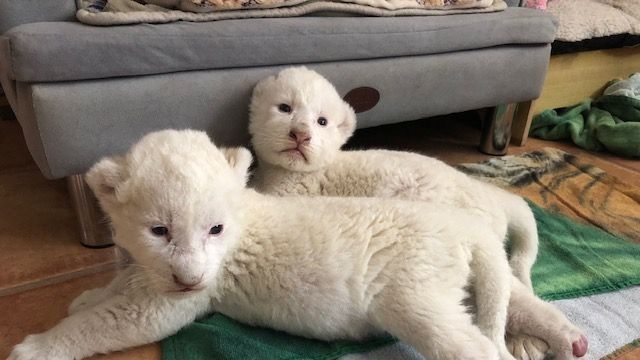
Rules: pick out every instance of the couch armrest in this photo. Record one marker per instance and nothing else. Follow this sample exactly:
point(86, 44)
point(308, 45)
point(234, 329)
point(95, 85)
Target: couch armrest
point(16, 12)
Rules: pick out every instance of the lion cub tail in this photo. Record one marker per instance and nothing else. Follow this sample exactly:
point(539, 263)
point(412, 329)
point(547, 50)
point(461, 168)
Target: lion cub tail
point(523, 233)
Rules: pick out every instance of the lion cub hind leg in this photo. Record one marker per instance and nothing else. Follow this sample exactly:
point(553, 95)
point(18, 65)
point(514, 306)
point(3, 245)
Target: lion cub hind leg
point(524, 346)
point(433, 321)
point(492, 287)
point(530, 316)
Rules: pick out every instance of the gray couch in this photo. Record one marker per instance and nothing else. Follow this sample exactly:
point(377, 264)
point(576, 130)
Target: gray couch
point(82, 92)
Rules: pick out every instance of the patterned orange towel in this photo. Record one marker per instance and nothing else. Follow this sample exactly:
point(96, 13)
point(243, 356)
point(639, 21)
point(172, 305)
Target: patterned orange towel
point(561, 182)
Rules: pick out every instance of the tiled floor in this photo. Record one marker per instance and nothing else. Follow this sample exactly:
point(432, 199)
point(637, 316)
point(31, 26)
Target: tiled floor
point(44, 267)
point(38, 230)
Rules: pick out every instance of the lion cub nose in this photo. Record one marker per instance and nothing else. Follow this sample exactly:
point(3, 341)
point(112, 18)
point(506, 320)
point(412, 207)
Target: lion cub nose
point(299, 136)
point(186, 284)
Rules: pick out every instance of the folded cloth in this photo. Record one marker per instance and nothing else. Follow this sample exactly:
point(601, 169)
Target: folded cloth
point(629, 87)
point(627, 352)
point(578, 259)
point(585, 19)
point(568, 197)
point(562, 182)
point(605, 320)
point(119, 12)
point(611, 122)
point(221, 338)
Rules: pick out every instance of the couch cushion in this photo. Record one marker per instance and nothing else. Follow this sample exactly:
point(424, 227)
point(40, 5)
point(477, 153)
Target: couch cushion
point(70, 125)
point(72, 51)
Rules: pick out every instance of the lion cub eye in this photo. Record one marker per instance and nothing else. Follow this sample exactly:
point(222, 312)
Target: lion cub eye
point(160, 230)
point(215, 230)
point(322, 121)
point(284, 108)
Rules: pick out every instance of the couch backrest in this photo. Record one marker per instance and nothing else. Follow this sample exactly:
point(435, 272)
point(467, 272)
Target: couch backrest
point(16, 12)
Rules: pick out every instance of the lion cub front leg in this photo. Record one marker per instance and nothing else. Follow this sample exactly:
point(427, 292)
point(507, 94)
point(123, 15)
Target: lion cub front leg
point(119, 322)
point(92, 297)
point(88, 298)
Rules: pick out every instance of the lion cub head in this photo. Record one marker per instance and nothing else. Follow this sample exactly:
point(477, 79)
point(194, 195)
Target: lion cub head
point(298, 120)
point(174, 203)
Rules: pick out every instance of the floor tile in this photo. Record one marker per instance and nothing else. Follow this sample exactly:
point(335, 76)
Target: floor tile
point(13, 150)
point(39, 235)
point(37, 310)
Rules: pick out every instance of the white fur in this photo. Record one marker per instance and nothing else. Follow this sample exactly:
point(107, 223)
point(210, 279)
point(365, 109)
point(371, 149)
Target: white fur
point(327, 268)
point(324, 169)
point(321, 168)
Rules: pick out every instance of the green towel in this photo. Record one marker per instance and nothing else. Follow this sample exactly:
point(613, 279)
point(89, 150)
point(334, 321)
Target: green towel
point(574, 260)
point(611, 122)
point(221, 338)
point(577, 260)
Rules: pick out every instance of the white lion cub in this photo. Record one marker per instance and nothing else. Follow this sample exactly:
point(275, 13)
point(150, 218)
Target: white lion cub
point(325, 268)
point(298, 123)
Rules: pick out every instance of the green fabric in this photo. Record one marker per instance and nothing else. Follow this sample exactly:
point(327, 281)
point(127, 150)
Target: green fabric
point(577, 260)
point(221, 338)
point(574, 260)
point(611, 122)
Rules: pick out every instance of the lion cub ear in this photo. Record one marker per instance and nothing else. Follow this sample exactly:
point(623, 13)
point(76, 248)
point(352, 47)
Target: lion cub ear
point(240, 160)
point(261, 87)
point(104, 178)
point(348, 124)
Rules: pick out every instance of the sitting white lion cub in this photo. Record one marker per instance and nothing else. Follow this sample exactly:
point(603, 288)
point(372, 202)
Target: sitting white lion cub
point(298, 123)
point(325, 268)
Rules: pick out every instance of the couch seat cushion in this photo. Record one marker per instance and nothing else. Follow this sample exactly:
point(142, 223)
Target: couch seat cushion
point(59, 51)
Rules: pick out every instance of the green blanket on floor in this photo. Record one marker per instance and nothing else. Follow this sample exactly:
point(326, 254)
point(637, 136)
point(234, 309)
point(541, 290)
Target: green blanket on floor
point(574, 260)
point(611, 122)
point(578, 260)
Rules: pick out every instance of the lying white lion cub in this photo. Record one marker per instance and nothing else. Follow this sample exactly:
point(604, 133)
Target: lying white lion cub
point(299, 122)
point(325, 268)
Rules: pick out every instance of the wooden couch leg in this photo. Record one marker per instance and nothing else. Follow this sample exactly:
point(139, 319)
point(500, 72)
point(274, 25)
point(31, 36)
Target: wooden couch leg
point(496, 129)
point(522, 123)
point(95, 230)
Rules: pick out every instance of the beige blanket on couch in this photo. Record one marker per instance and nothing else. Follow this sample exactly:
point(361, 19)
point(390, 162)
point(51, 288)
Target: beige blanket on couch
point(118, 12)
